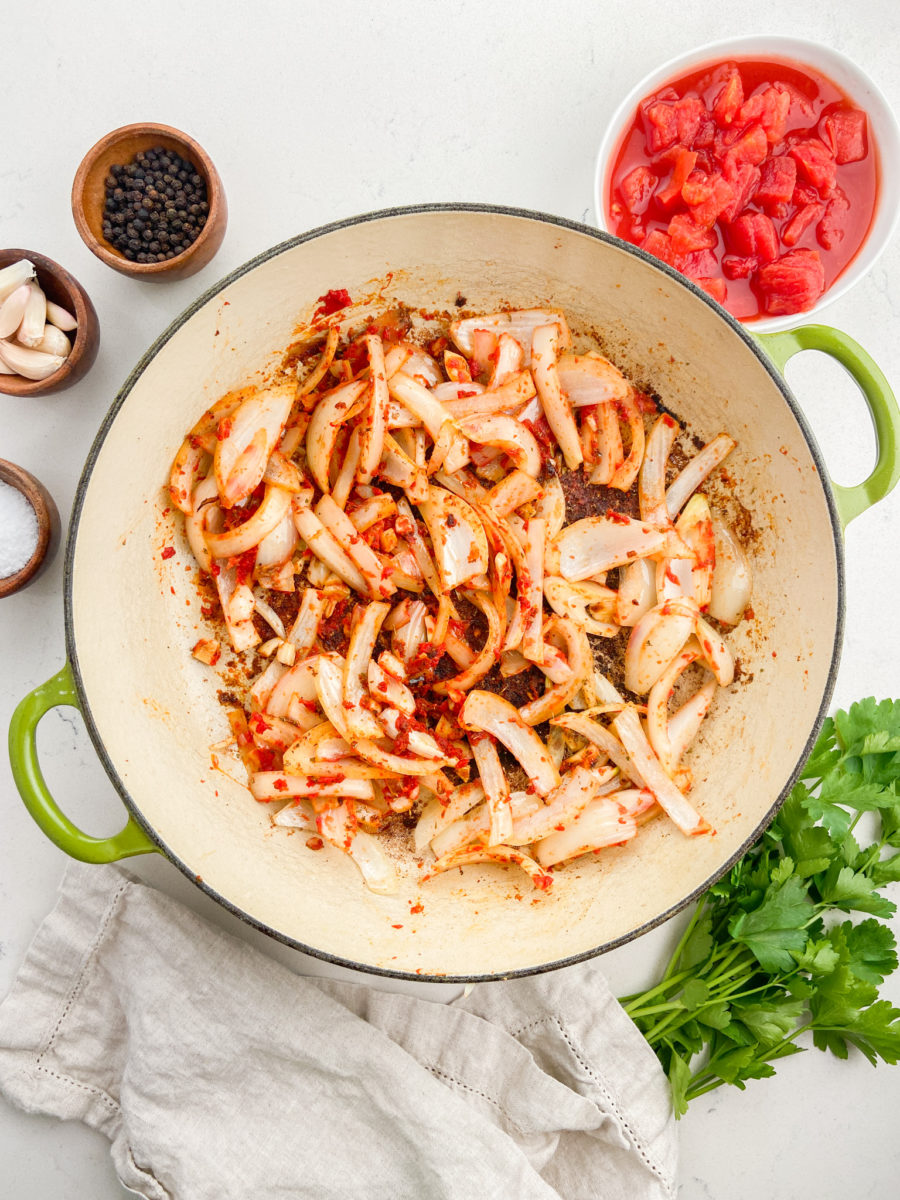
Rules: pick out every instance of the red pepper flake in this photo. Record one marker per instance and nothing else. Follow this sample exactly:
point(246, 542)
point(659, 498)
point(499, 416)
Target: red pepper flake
point(224, 430)
point(417, 908)
point(333, 301)
point(169, 552)
point(314, 843)
point(280, 785)
point(396, 927)
point(617, 518)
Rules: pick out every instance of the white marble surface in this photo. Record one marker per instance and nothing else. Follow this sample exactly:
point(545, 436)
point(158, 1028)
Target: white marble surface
point(317, 111)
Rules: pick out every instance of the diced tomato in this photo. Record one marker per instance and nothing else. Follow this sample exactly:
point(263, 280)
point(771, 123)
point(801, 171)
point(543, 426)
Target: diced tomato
point(706, 213)
point(744, 178)
point(815, 162)
point(689, 115)
point(660, 245)
point(729, 100)
point(778, 178)
point(830, 230)
point(753, 235)
point(800, 222)
point(804, 193)
point(686, 235)
point(684, 164)
point(735, 267)
point(843, 130)
point(714, 287)
point(699, 264)
point(751, 147)
point(637, 188)
point(770, 107)
point(705, 135)
point(791, 284)
point(697, 188)
point(660, 126)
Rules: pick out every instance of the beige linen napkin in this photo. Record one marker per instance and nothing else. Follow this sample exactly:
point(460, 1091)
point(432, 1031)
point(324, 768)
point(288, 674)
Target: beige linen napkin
point(216, 1073)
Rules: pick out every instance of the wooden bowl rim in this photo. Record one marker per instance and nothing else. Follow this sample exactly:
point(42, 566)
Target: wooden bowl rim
point(85, 315)
point(193, 150)
point(41, 501)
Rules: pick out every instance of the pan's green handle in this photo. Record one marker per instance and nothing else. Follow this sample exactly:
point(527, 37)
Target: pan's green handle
point(33, 790)
point(851, 501)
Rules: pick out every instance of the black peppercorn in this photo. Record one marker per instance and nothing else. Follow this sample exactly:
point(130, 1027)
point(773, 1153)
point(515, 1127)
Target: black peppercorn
point(155, 206)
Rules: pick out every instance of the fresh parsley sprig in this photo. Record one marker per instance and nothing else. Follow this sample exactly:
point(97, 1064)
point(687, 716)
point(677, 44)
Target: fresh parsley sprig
point(765, 957)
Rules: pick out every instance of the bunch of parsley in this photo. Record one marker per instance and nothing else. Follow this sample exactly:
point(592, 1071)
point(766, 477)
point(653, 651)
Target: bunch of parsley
point(766, 957)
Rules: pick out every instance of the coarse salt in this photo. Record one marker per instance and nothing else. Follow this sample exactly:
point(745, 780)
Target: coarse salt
point(18, 530)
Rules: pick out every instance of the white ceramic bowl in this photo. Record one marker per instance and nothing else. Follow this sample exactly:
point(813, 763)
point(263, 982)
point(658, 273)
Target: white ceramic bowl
point(858, 86)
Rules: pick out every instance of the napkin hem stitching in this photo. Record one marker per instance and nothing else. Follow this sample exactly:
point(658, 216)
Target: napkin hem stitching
point(476, 1092)
point(611, 1100)
point(72, 997)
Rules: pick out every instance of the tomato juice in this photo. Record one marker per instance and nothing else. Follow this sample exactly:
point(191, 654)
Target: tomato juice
point(758, 179)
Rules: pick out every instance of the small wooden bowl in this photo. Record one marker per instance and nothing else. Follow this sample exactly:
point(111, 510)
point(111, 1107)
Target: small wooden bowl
point(89, 199)
point(48, 525)
point(62, 288)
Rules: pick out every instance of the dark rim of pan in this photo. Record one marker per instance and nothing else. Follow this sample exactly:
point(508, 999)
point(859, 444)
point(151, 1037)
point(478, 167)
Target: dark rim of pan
point(311, 235)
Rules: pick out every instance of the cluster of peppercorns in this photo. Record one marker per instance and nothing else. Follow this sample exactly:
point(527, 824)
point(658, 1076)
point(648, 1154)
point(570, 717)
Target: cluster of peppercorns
point(156, 206)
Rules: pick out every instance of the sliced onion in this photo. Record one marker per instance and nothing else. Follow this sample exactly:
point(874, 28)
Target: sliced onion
point(451, 391)
point(610, 453)
point(346, 476)
point(420, 365)
point(556, 407)
point(264, 684)
point(637, 591)
point(514, 439)
point(279, 785)
point(363, 635)
point(302, 634)
point(440, 813)
point(325, 547)
point(184, 473)
point(457, 367)
point(336, 521)
point(581, 663)
point(389, 690)
point(295, 816)
point(258, 421)
point(283, 473)
point(601, 823)
point(592, 545)
point(472, 400)
point(319, 371)
point(482, 662)
point(195, 521)
point(373, 510)
point(628, 727)
point(409, 636)
point(330, 413)
point(589, 379)
point(655, 640)
point(399, 469)
point(501, 855)
point(684, 725)
point(625, 474)
point(508, 362)
point(652, 486)
point(488, 713)
point(658, 704)
point(336, 827)
point(715, 652)
point(419, 741)
point(698, 469)
point(457, 535)
point(269, 615)
point(298, 683)
point(551, 506)
point(520, 323)
point(473, 826)
point(319, 752)
point(374, 423)
point(496, 789)
point(598, 735)
point(731, 579)
point(276, 504)
point(277, 547)
point(577, 789)
point(590, 605)
point(530, 585)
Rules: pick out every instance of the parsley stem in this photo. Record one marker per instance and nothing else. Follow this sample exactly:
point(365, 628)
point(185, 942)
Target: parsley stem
point(683, 940)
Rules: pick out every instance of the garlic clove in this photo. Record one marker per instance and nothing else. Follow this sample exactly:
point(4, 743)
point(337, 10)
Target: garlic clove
point(32, 364)
point(4, 369)
point(31, 329)
point(14, 276)
point(60, 317)
point(54, 341)
point(13, 310)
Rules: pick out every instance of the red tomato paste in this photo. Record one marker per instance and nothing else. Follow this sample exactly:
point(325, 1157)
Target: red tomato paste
point(756, 179)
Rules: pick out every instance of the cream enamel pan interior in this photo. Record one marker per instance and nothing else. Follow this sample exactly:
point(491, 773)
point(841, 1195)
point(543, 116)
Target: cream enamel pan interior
point(152, 710)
